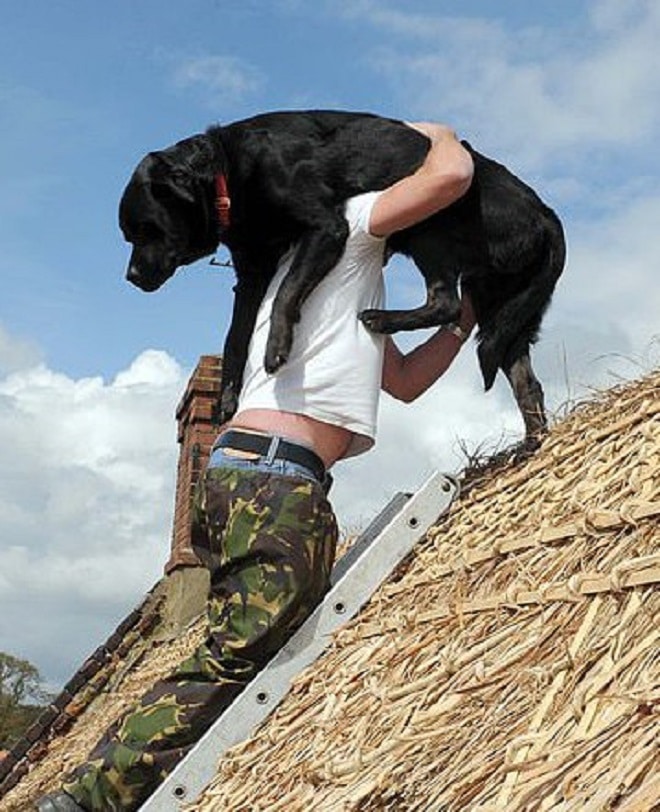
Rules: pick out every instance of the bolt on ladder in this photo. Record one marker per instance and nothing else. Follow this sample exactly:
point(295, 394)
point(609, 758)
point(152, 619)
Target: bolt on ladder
point(369, 561)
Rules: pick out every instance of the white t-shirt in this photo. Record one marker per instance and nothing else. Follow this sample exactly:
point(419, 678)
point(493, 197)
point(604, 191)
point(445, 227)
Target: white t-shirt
point(335, 366)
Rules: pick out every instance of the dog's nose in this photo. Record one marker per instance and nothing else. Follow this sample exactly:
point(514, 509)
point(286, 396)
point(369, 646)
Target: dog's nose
point(133, 275)
point(146, 281)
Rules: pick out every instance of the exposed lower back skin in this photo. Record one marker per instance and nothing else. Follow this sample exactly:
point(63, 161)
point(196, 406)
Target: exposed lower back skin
point(328, 441)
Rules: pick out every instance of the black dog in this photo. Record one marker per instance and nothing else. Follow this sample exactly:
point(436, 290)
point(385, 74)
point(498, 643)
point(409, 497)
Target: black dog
point(262, 184)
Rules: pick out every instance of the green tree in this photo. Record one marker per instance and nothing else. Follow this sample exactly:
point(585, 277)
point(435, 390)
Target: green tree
point(22, 697)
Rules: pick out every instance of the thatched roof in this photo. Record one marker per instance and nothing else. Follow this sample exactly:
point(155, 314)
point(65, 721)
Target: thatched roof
point(514, 665)
point(511, 664)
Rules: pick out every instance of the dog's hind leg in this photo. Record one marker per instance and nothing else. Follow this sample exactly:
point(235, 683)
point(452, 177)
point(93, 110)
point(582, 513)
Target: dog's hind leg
point(442, 307)
point(438, 262)
point(528, 393)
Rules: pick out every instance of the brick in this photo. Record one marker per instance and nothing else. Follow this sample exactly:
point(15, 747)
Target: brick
point(17, 773)
point(62, 699)
point(7, 764)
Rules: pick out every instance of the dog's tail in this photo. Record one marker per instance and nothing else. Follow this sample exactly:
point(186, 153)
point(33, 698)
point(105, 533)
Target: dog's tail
point(509, 331)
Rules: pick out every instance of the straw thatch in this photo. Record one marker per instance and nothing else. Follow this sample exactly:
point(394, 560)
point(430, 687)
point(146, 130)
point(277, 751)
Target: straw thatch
point(511, 664)
point(514, 665)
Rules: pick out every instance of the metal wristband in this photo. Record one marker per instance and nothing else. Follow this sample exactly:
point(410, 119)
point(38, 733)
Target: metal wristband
point(458, 331)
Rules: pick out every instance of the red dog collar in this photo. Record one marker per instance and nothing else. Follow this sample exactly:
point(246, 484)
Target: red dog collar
point(222, 200)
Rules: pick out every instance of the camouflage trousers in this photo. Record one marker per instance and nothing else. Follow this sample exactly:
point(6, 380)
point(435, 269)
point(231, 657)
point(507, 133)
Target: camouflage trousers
point(268, 539)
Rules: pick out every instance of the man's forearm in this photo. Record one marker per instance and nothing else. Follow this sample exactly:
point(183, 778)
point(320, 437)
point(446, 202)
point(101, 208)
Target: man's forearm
point(445, 176)
point(408, 376)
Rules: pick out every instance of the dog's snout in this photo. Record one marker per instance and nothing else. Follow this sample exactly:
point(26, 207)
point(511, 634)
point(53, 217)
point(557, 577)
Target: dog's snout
point(140, 280)
point(146, 274)
point(134, 276)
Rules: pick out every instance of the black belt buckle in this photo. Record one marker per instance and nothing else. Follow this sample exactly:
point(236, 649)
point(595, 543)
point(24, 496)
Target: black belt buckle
point(286, 450)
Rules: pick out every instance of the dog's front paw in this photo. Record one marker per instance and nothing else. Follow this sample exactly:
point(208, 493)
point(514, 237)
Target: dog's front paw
point(377, 321)
point(277, 353)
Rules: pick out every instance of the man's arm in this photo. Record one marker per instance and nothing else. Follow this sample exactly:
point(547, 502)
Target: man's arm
point(445, 175)
point(406, 377)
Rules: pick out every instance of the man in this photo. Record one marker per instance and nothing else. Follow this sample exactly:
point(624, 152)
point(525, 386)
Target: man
point(263, 524)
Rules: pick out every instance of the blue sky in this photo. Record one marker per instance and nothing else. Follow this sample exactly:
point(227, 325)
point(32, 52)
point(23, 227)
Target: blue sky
point(567, 94)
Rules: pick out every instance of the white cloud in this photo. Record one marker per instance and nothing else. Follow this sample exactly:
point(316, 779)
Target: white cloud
point(611, 274)
point(221, 79)
point(413, 24)
point(87, 474)
point(527, 92)
point(610, 15)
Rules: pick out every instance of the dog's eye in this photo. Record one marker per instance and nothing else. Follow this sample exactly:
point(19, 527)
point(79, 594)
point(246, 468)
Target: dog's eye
point(144, 232)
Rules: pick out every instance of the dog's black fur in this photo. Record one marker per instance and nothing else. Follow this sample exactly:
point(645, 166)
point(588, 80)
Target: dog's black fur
point(288, 175)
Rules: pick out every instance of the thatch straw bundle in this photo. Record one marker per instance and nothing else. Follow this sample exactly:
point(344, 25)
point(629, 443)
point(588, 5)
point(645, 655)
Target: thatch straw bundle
point(512, 663)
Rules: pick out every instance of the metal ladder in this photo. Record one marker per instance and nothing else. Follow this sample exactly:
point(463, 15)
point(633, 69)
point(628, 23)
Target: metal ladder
point(369, 561)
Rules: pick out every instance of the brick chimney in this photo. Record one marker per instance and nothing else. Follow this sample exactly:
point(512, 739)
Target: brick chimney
point(196, 433)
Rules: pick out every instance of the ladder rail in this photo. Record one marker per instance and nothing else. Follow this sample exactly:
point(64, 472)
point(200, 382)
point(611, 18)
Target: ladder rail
point(374, 555)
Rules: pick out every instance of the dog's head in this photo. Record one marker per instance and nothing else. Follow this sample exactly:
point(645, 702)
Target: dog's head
point(167, 212)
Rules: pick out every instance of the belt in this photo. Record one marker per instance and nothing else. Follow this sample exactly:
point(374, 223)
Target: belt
point(274, 447)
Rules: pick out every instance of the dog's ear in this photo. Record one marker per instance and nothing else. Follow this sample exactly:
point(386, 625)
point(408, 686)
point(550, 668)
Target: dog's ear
point(182, 167)
point(171, 178)
point(179, 186)
point(193, 155)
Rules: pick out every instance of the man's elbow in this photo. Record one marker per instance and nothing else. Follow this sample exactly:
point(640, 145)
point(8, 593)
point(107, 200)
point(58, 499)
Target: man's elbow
point(401, 392)
point(454, 180)
point(462, 173)
point(408, 397)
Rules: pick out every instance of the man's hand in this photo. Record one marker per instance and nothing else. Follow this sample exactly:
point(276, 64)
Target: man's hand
point(433, 130)
point(445, 175)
